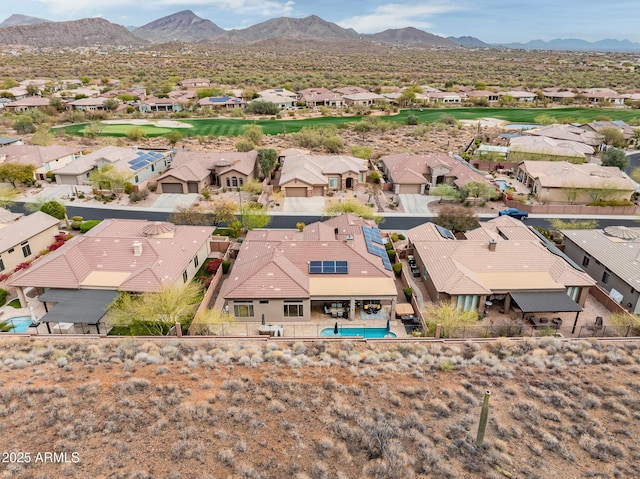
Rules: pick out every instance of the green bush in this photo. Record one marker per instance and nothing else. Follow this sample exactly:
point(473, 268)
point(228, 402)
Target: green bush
point(412, 120)
point(3, 296)
point(397, 268)
point(394, 237)
point(128, 188)
point(408, 292)
point(226, 264)
point(401, 236)
point(87, 225)
point(392, 255)
point(388, 246)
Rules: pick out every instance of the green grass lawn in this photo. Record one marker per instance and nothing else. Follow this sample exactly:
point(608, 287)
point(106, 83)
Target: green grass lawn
point(15, 303)
point(234, 127)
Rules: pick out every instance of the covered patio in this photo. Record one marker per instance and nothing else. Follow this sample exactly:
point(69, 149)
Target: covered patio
point(76, 307)
point(545, 302)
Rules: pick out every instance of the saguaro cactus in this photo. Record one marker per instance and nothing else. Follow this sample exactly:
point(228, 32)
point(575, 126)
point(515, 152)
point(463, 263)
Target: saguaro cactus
point(484, 414)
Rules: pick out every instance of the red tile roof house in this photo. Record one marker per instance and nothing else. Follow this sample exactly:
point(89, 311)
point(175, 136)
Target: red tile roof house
point(193, 171)
point(315, 97)
point(195, 83)
point(417, 174)
point(44, 158)
point(228, 102)
point(285, 274)
point(310, 175)
point(152, 104)
point(502, 261)
point(603, 95)
point(120, 255)
point(28, 103)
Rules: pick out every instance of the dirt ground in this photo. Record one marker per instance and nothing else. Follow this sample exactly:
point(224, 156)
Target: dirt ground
point(195, 409)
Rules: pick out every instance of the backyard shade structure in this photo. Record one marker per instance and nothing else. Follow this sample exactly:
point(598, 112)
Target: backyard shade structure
point(78, 306)
point(404, 309)
point(546, 302)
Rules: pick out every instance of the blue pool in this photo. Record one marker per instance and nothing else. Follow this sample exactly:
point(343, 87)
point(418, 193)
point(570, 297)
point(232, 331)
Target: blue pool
point(20, 324)
point(520, 126)
point(502, 184)
point(362, 332)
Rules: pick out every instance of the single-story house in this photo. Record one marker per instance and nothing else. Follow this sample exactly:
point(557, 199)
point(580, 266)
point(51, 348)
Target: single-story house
point(567, 132)
point(195, 83)
point(564, 182)
point(558, 95)
point(444, 97)
point(336, 267)
point(611, 256)
point(311, 175)
point(417, 174)
point(22, 239)
point(597, 126)
point(490, 96)
point(44, 158)
point(350, 90)
point(279, 96)
point(502, 261)
point(88, 104)
point(28, 103)
point(315, 97)
point(520, 95)
point(362, 99)
point(603, 95)
point(153, 104)
point(550, 149)
point(142, 165)
point(193, 171)
point(228, 102)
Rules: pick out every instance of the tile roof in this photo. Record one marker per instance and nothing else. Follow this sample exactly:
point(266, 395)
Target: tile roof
point(622, 257)
point(543, 145)
point(274, 264)
point(106, 253)
point(36, 155)
point(15, 232)
point(410, 168)
point(312, 169)
point(567, 132)
point(7, 216)
point(559, 174)
point(520, 260)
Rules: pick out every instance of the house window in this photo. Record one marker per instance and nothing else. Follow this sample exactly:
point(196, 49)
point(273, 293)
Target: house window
point(185, 276)
point(136, 179)
point(293, 309)
point(264, 301)
point(243, 309)
point(234, 181)
point(574, 292)
point(228, 182)
point(585, 261)
point(467, 302)
point(240, 181)
point(26, 249)
point(333, 182)
point(605, 277)
point(153, 167)
point(11, 250)
point(196, 261)
point(1, 265)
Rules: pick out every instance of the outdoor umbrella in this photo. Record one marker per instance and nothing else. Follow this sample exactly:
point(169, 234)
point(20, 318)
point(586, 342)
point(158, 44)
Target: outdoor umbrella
point(335, 329)
point(388, 325)
point(263, 319)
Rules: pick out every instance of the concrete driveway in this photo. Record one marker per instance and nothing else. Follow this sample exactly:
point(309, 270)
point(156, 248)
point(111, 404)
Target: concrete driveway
point(170, 201)
point(417, 204)
point(315, 204)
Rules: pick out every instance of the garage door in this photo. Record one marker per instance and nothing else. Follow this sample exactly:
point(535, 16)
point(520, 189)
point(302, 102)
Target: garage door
point(296, 192)
point(409, 189)
point(193, 187)
point(171, 187)
point(318, 190)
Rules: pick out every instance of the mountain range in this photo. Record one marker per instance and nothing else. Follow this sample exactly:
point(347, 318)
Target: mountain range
point(186, 26)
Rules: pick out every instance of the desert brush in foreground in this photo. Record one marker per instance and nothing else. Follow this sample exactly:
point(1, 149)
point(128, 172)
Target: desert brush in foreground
point(210, 409)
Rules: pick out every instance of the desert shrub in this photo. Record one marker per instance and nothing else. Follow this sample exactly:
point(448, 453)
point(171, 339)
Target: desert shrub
point(152, 187)
point(392, 255)
point(408, 292)
point(397, 268)
point(412, 120)
point(128, 188)
point(225, 266)
point(3, 296)
point(87, 225)
point(245, 145)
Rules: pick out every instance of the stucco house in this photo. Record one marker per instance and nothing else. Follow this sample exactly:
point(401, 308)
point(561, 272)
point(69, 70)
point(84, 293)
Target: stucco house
point(226, 102)
point(564, 182)
point(520, 95)
point(287, 275)
point(549, 149)
point(567, 133)
point(503, 261)
point(153, 104)
point(23, 238)
point(416, 174)
point(88, 104)
point(315, 97)
point(193, 171)
point(142, 165)
point(611, 256)
point(195, 83)
point(282, 97)
point(314, 175)
point(362, 99)
point(28, 103)
point(44, 158)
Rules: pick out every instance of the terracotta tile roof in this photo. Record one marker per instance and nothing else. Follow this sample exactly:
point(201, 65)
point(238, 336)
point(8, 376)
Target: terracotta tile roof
point(560, 174)
point(36, 155)
point(543, 145)
point(276, 264)
point(312, 169)
point(567, 132)
point(469, 267)
point(108, 248)
point(409, 168)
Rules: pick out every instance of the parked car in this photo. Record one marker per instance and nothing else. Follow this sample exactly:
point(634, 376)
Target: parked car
point(415, 272)
point(514, 213)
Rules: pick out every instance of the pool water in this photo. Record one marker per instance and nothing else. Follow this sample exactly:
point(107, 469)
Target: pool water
point(20, 324)
point(502, 184)
point(361, 332)
point(520, 126)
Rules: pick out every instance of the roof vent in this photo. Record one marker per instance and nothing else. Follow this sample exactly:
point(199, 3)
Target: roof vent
point(137, 248)
point(492, 245)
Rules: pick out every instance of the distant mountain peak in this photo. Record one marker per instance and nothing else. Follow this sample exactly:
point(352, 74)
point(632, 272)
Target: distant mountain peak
point(577, 44)
point(411, 36)
point(17, 20)
point(183, 26)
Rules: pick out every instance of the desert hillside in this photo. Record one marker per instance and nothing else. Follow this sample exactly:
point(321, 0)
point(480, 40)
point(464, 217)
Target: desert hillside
point(219, 409)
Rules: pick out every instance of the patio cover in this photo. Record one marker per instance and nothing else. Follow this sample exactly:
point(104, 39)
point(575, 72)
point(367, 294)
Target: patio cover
point(86, 306)
point(404, 309)
point(545, 302)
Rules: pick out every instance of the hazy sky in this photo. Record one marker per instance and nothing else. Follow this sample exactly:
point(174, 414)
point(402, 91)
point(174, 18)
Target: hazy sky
point(492, 21)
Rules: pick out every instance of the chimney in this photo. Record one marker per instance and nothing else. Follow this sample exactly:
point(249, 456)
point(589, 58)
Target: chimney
point(349, 240)
point(492, 245)
point(137, 248)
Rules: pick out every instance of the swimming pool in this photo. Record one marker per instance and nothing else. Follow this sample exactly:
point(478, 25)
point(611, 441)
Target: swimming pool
point(502, 184)
point(20, 323)
point(361, 332)
point(520, 126)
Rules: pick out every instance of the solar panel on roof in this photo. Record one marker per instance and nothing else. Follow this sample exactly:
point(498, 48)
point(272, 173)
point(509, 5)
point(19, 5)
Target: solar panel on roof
point(372, 236)
point(328, 267)
point(445, 233)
